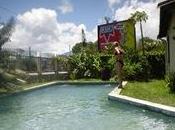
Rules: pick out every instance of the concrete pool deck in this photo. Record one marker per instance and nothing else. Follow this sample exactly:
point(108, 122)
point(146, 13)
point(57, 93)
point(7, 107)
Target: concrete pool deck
point(115, 96)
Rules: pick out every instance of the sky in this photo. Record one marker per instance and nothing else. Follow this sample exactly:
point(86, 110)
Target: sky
point(55, 26)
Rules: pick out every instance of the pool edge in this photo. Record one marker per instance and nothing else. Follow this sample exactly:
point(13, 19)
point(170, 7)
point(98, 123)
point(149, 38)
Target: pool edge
point(35, 87)
point(114, 95)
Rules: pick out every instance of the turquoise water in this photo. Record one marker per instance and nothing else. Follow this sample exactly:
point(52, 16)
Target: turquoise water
point(70, 107)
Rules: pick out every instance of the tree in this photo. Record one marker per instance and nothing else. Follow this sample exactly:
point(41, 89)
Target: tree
point(152, 45)
point(107, 19)
point(6, 31)
point(139, 17)
point(83, 37)
point(84, 65)
point(90, 47)
point(60, 63)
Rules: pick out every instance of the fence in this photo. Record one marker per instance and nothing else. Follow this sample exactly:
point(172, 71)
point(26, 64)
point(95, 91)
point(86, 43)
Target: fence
point(31, 62)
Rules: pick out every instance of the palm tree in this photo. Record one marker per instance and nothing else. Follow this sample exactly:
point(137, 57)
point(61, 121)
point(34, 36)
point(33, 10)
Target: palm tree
point(6, 31)
point(139, 17)
point(83, 36)
point(107, 19)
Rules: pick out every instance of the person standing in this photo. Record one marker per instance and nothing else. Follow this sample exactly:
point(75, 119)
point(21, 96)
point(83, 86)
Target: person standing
point(119, 53)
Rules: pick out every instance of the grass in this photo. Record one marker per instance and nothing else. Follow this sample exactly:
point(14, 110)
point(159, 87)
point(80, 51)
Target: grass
point(154, 91)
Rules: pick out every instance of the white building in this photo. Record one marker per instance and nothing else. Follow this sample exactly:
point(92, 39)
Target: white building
point(167, 29)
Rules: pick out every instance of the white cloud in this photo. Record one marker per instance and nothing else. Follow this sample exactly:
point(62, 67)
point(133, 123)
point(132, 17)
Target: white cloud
point(111, 3)
point(40, 29)
point(66, 7)
point(151, 27)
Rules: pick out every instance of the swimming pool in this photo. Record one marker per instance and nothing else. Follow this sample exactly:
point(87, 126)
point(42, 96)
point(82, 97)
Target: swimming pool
point(76, 107)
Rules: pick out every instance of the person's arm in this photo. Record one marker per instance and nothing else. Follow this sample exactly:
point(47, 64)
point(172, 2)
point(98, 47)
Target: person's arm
point(117, 50)
point(106, 48)
point(122, 51)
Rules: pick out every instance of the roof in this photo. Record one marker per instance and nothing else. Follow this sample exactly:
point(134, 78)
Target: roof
point(166, 2)
point(166, 10)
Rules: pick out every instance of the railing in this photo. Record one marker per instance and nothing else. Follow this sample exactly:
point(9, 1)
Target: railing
point(29, 61)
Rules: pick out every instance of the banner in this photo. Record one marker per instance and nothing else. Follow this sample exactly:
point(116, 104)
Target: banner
point(122, 32)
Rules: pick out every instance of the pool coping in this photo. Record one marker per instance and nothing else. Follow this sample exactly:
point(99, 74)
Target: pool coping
point(67, 82)
point(35, 87)
point(164, 109)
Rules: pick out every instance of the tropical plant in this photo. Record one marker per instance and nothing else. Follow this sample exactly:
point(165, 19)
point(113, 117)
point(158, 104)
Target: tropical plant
point(6, 79)
point(60, 63)
point(6, 31)
point(4, 59)
point(170, 79)
point(84, 65)
point(83, 36)
point(89, 48)
point(136, 66)
point(107, 66)
point(153, 46)
point(139, 17)
point(156, 62)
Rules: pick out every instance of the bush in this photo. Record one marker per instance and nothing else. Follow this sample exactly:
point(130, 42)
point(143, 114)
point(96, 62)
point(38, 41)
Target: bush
point(140, 67)
point(105, 73)
point(84, 65)
point(60, 63)
point(170, 79)
point(136, 66)
point(131, 71)
point(107, 63)
point(136, 71)
point(6, 78)
point(4, 59)
point(157, 64)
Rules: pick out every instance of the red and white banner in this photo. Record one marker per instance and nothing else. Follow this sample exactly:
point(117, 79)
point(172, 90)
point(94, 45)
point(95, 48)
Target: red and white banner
point(107, 33)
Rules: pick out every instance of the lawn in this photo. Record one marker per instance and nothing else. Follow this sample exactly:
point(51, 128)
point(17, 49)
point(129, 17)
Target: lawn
point(154, 91)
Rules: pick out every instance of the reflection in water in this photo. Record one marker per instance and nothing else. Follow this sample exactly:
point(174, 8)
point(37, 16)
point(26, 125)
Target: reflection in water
point(72, 107)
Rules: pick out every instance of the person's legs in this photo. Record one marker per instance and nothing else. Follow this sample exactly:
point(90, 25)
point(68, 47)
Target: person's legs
point(119, 73)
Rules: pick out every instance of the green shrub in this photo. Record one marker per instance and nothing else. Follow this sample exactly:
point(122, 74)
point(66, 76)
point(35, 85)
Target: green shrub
point(60, 63)
point(157, 64)
point(84, 65)
point(4, 59)
point(107, 61)
point(131, 71)
point(136, 66)
point(6, 78)
point(170, 79)
point(143, 67)
point(105, 74)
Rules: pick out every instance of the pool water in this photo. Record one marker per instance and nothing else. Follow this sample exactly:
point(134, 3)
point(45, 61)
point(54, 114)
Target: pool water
point(76, 107)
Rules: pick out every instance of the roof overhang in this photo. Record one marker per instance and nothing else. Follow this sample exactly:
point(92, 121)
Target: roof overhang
point(167, 8)
point(166, 2)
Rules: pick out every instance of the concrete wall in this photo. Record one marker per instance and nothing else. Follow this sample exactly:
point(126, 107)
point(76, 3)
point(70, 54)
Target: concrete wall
point(172, 44)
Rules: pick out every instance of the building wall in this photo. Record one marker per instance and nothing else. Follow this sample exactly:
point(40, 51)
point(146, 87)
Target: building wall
point(172, 44)
point(167, 58)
